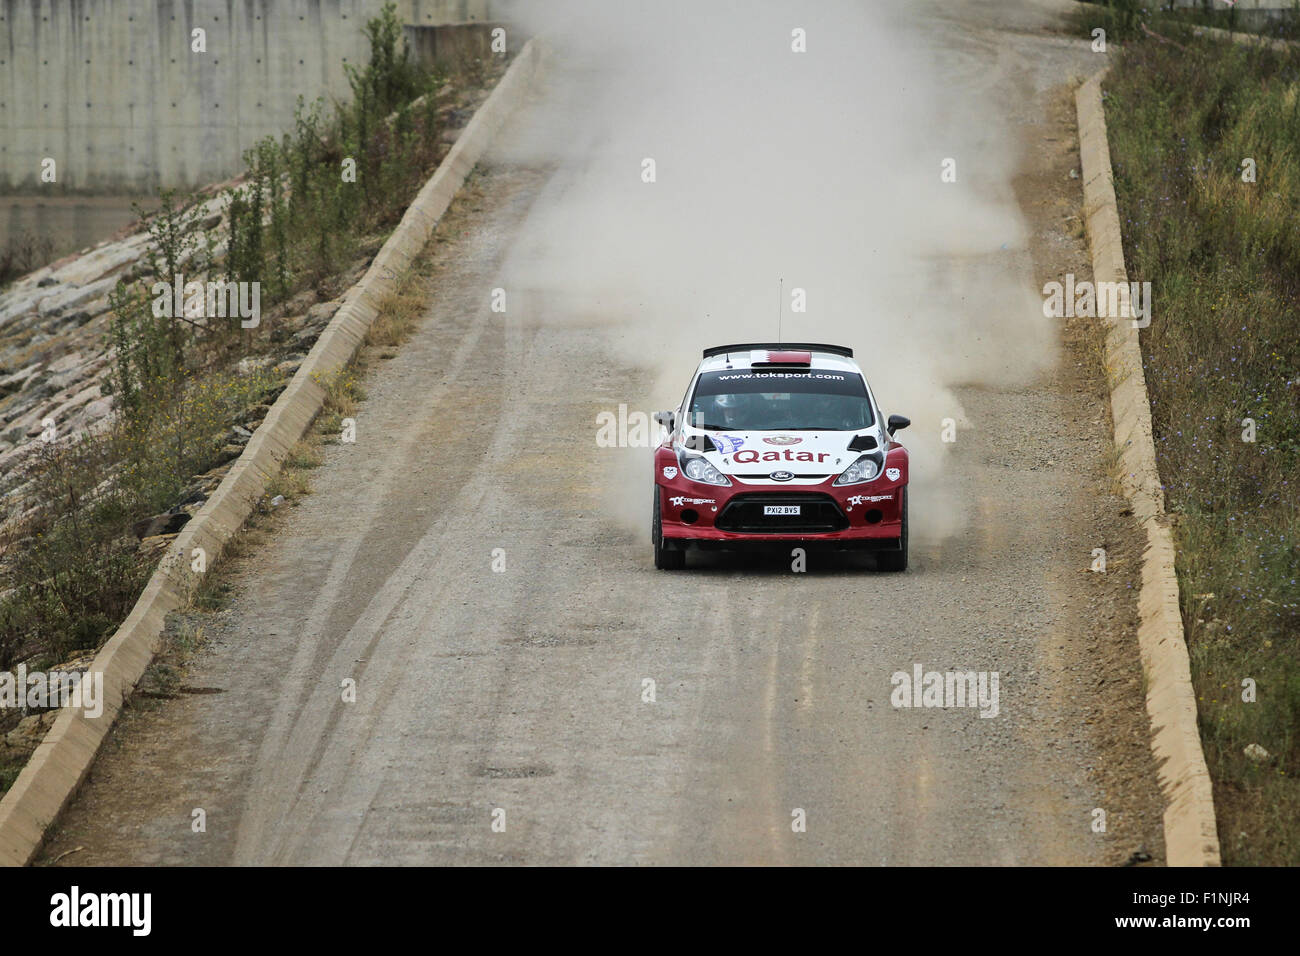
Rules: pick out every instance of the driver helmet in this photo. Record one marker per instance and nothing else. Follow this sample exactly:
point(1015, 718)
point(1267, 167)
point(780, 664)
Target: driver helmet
point(730, 407)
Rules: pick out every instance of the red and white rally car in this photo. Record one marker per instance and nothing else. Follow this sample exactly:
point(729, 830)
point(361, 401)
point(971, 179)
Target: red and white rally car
point(780, 444)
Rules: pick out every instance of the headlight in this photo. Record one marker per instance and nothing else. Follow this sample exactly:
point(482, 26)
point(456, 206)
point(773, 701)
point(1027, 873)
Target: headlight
point(699, 469)
point(865, 468)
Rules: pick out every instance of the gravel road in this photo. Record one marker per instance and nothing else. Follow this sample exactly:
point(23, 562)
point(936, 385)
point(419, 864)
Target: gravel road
point(519, 695)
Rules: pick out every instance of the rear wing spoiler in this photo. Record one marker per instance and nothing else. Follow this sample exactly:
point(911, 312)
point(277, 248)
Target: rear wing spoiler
point(780, 347)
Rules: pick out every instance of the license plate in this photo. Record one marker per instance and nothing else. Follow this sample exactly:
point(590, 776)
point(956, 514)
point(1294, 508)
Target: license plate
point(780, 509)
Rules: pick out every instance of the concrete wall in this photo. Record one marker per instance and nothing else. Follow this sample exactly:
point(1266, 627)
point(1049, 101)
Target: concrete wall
point(1221, 7)
point(1252, 14)
point(449, 45)
point(111, 90)
point(433, 12)
point(68, 222)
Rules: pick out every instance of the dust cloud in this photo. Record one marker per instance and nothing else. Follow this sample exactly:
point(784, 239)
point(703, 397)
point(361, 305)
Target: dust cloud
point(819, 170)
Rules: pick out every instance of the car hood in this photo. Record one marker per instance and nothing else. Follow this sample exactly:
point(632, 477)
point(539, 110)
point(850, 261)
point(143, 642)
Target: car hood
point(759, 453)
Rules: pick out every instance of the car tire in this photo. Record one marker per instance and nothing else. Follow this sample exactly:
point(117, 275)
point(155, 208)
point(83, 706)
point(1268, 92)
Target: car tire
point(896, 560)
point(665, 560)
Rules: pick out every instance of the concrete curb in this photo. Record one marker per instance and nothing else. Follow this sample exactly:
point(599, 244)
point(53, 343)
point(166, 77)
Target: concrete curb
point(62, 760)
point(1191, 838)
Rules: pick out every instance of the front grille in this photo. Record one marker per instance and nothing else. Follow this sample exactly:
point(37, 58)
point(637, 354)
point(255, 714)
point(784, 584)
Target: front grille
point(818, 514)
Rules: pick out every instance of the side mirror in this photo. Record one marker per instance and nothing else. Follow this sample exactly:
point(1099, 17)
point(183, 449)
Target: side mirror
point(666, 419)
point(898, 421)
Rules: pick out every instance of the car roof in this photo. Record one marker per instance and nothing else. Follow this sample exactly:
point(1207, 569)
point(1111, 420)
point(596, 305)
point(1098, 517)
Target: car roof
point(747, 357)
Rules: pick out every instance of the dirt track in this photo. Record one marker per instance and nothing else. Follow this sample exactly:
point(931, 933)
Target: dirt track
point(522, 690)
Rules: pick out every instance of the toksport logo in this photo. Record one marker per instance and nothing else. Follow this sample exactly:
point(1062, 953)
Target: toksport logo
point(860, 499)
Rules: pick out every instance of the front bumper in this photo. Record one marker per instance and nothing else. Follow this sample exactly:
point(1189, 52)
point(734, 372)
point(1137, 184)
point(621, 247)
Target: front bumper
point(867, 516)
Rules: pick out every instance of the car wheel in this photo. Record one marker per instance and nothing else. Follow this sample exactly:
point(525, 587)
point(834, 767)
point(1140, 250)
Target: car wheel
point(896, 560)
point(665, 560)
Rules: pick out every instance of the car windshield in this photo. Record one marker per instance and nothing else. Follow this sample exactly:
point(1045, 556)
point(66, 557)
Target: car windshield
point(780, 401)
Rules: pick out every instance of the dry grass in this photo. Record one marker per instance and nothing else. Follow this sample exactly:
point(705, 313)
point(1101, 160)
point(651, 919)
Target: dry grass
point(397, 318)
point(1223, 256)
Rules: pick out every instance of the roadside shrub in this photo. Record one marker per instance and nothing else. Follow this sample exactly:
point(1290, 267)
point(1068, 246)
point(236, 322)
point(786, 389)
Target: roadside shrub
point(23, 253)
point(293, 222)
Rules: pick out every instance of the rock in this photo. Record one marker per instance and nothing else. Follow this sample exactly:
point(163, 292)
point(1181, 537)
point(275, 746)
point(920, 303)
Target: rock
point(20, 378)
point(305, 337)
point(1257, 754)
point(353, 275)
point(30, 731)
point(98, 409)
point(44, 390)
point(288, 366)
point(193, 495)
point(249, 365)
point(277, 501)
point(77, 295)
point(78, 662)
point(47, 282)
point(229, 453)
point(165, 523)
point(66, 363)
point(74, 403)
point(254, 415)
point(1140, 855)
point(155, 544)
point(302, 302)
point(212, 475)
point(320, 315)
point(126, 544)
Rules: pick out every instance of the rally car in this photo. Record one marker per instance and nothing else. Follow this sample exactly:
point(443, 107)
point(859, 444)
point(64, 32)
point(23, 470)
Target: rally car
point(780, 445)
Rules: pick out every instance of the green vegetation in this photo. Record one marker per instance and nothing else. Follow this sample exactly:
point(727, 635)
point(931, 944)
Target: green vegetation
point(78, 571)
point(1189, 123)
point(310, 205)
point(312, 196)
point(21, 254)
point(1124, 19)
